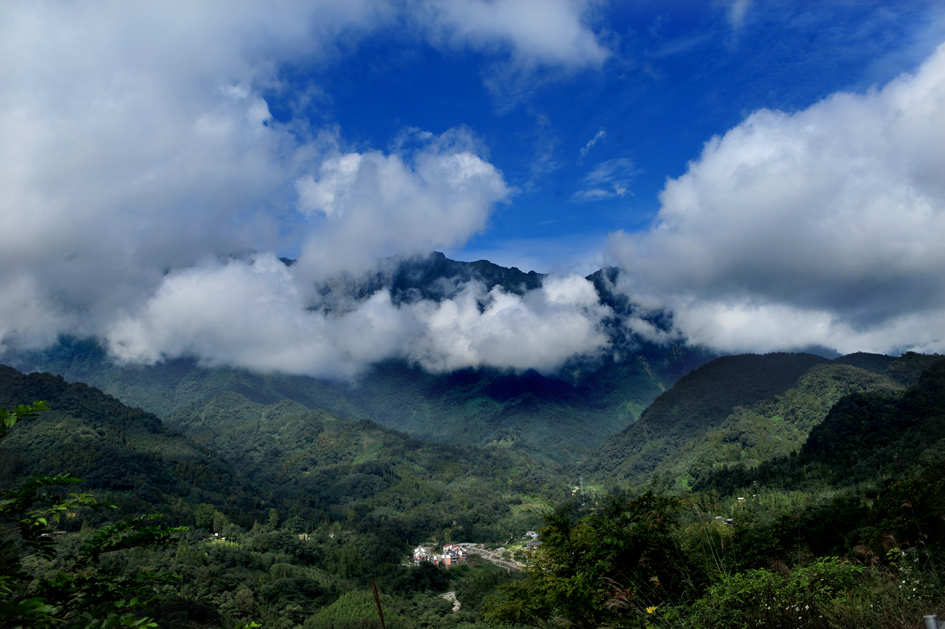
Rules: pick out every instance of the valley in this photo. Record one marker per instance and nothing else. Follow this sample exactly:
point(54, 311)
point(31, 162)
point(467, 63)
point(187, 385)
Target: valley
point(295, 500)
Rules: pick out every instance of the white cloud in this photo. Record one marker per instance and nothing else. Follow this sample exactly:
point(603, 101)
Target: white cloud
point(249, 313)
point(822, 226)
point(601, 134)
point(435, 196)
point(135, 141)
point(137, 144)
point(539, 330)
point(535, 32)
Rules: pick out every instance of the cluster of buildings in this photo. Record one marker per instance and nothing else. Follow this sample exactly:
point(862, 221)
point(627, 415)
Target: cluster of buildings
point(452, 554)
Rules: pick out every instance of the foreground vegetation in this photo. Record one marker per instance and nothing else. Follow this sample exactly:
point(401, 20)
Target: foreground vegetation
point(783, 561)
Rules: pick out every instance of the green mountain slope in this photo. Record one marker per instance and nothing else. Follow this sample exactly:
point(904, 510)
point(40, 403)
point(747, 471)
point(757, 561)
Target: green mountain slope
point(246, 457)
point(768, 429)
point(698, 402)
point(168, 385)
point(882, 433)
point(553, 418)
point(280, 550)
point(121, 453)
point(877, 363)
point(360, 467)
point(872, 435)
point(908, 368)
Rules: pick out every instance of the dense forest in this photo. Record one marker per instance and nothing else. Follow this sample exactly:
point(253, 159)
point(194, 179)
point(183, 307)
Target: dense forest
point(554, 418)
point(784, 490)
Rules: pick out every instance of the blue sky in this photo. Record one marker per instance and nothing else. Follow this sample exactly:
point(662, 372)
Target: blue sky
point(675, 74)
point(772, 174)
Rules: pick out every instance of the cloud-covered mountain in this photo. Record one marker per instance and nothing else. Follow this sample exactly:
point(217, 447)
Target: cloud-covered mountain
point(249, 312)
point(440, 349)
point(148, 148)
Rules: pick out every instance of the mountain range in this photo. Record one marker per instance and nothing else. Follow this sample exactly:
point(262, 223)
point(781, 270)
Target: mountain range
point(558, 417)
point(302, 491)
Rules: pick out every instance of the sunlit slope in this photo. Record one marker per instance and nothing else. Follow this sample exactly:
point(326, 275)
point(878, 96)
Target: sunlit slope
point(168, 385)
point(766, 430)
point(245, 457)
point(739, 412)
point(871, 436)
point(698, 402)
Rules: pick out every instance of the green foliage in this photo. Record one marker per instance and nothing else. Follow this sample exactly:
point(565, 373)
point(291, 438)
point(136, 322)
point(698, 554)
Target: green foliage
point(362, 470)
point(908, 368)
point(877, 363)
point(802, 597)
point(838, 527)
point(625, 549)
point(866, 437)
point(123, 454)
point(555, 419)
point(8, 419)
point(77, 591)
point(356, 610)
point(767, 430)
point(698, 402)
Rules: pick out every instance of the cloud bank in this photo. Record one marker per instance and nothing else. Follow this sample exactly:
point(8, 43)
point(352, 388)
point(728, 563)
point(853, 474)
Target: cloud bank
point(824, 226)
point(250, 313)
point(144, 180)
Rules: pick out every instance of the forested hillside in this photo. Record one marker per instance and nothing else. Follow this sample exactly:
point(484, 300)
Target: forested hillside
point(849, 532)
point(826, 472)
point(358, 469)
point(289, 508)
point(878, 433)
point(700, 401)
point(766, 430)
point(554, 418)
point(124, 454)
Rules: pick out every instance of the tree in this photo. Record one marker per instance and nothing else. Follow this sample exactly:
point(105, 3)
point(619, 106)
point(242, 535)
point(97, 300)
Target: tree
point(623, 552)
point(79, 592)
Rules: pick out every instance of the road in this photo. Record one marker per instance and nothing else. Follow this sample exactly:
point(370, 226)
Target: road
point(491, 556)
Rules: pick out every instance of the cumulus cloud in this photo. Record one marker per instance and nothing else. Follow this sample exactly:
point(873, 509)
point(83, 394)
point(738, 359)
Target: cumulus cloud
point(250, 313)
point(822, 226)
point(434, 196)
point(539, 330)
point(135, 142)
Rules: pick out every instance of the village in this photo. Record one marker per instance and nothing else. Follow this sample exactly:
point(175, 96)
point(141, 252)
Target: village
point(453, 554)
